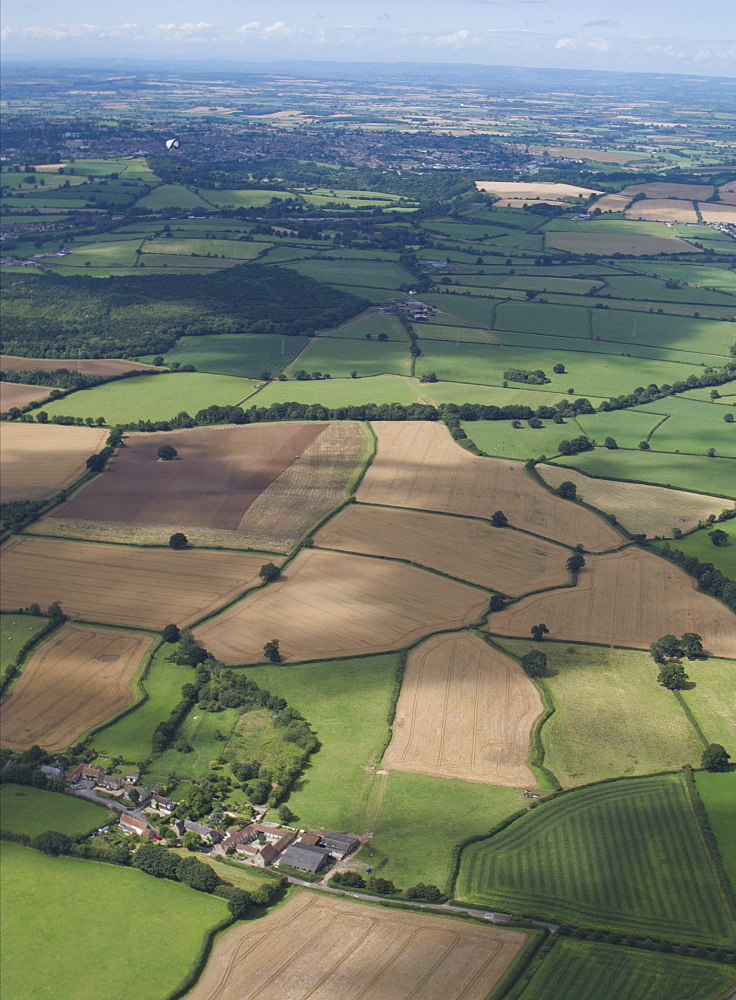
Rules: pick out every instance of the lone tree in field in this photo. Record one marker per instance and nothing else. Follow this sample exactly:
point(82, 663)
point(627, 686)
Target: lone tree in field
point(178, 540)
point(718, 537)
point(497, 603)
point(558, 369)
point(567, 490)
point(268, 572)
point(271, 651)
point(534, 663)
point(575, 563)
point(672, 676)
point(610, 443)
point(167, 452)
point(715, 757)
point(499, 519)
point(539, 631)
point(170, 633)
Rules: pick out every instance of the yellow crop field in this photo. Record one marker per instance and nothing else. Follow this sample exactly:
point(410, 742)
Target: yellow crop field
point(613, 202)
point(36, 460)
point(116, 585)
point(418, 465)
point(497, 558)
point(534, 191)
point(465, 711)
point(76, 679)
point(356, 952)
point(627, 598)
point(718, 213)
point(653, 510)
point(329, 604)
point(663, 210)
point(610, 243)
point(664, 189)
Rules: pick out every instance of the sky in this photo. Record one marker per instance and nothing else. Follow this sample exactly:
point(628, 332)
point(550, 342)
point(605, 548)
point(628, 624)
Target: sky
point(661, 36)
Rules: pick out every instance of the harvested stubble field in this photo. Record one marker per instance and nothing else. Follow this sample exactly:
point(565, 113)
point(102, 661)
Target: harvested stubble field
point(37, 461)
point(328, 605)
point(626, 598)
point(613, 202)
point(653, 510)
point(465, 711)
point(718, 213)
point(534, 190)
point(610, 243)
point(76, 679)
point(418, 465)
point(470, 550)
point(87, 366)
point(116, 585)
point(17, 394)
point(663, 210)
point(356, 952)
point(664, 189)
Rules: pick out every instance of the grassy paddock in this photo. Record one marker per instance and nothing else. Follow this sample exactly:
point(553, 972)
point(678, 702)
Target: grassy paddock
point(367, 357)
point(243, 354)
point(340, 391)
point(713, 699)
point(33, 811)
point(65, 901)
point(498, 437)
point(698, 544)
point(626, 855)
point(15, 631)
point(718, 792)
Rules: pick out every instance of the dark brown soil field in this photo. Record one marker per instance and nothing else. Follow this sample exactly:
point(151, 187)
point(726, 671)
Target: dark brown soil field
point(218, 473)
point(89, 366)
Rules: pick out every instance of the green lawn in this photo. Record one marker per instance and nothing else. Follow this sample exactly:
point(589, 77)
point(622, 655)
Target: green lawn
point(685, 472)
point(611, 717)
point(152, 397)
point(33, 811)
point(243, 354)
point(341, 391)
point(578, 970)
point(130, 737)
point(713, 699)
point(626, 855)
point(15, 631)
point(718, 792)
point(67, 901)
point(367, 357)
point(698, 544)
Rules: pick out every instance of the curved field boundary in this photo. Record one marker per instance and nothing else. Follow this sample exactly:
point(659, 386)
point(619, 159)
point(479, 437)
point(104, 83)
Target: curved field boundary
point(39, 460)
point(465, 711)
point(331, 946)
point(625, 854)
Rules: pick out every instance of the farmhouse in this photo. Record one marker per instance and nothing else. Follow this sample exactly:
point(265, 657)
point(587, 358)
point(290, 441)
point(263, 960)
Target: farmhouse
point(162, 805)
point(131, 824)
point(112, 782)
point(305, 857)
point(52, 773)
point(207, 833)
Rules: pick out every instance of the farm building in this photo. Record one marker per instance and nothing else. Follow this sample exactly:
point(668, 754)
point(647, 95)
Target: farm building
point(339, 844)
point(305, 857)
point(131, 824)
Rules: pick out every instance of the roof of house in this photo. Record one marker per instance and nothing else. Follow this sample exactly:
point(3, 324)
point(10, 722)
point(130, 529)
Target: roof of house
point(268, 852)
point(310, 838)
point(133, 822)
point(305, 856)
point(344, 840)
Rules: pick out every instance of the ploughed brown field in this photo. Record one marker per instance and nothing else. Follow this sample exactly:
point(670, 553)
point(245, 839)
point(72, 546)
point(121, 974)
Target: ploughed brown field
point(319, 948)
point(497, 558)
point(76, 679)
point(627, 598)
point(465, 711)
point(16, 394)
point(37, 460)
point(218, 474)
point(419, 465)
point(653, 510)
point(328, 604)
point(116, 585)
point(90, 366)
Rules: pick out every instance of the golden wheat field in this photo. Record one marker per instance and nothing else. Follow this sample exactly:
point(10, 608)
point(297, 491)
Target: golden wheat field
point(613, 202)
point(418, 465)
point(534, 190)
point(329, 604)
point(36, 460)
point(653, 510)
point(465, 711)
point(665, 189)
point(497, 558)
point(663, 210)
point(116, 585)
point(356, 952)
point(627, 598)
point(718, 213)
point(76, 679)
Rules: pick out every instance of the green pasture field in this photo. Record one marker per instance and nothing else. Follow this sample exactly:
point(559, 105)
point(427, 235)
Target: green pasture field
point(466, 230)
point(726, 397)
point(130, 737)
point(716, 246)
point(580, 970)
point(15, 631)
point(718, 792)
point(627, 855)
point(116, 253)
point(699, 545)
point(704, 276)
point(372, 199)
point(549, 320)
point(684, 472)
point(367, 357)
point(33, 811)
point(151, 397)
point(172, 196)
point(240, 876)
point(40, 201)
point(202, 247)
point(684, 361)
point(533, 242)
point(693, 426)
point(713, 699)
point(499, 438)
point(340, 391)
point(360, 196)
point(14, 179)
point(506, 217)
point(545, 283)
point(181, 264)
point(605, 225)
point(242, 354)
point(369, 322)
point(454, 334)
point(282, 253)
point(516, 393)
point(712, 338)
point(611, 717)
point(447, 253)
point(198, 728)
point(471, 310)
point(626, 427)
point(242, 199)
point(65, 901)
point(631, 287)
point(372, 274)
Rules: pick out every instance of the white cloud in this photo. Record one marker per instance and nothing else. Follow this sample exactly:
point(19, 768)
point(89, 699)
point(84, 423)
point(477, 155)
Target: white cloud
point(566, 43)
